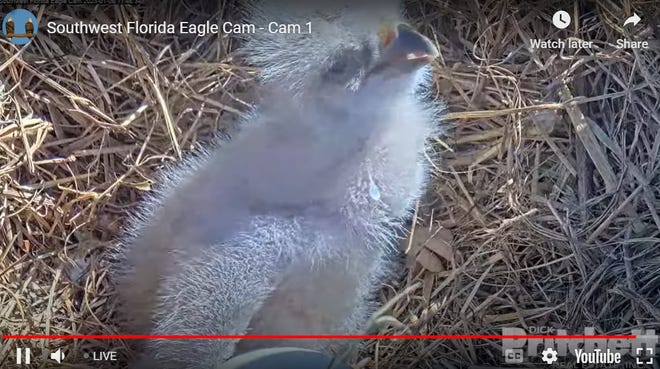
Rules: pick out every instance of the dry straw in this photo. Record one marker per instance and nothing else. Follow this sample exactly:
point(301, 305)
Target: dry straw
point(543, 209)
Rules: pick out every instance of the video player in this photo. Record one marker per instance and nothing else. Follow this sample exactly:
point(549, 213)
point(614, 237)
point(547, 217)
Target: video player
point(364, 184)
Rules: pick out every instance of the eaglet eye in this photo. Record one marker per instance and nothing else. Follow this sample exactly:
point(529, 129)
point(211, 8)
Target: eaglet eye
point(338, 67)
point(348, 66)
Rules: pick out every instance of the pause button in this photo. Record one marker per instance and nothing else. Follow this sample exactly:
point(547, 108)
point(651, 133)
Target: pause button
point(22, 356)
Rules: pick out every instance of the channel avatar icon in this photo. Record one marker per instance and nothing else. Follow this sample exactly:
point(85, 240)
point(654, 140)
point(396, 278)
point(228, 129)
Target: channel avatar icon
point(19, 26)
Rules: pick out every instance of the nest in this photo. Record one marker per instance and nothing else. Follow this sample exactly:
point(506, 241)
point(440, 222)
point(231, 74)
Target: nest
point(542, 210)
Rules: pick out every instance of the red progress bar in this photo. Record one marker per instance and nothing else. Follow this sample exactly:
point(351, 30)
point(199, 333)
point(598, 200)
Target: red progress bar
point(361, 337)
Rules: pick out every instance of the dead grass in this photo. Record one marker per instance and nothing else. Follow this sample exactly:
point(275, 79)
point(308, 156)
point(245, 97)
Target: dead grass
point(543, 210)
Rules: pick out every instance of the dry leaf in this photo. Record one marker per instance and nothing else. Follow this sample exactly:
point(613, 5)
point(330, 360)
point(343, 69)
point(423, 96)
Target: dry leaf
point(26, 245)
point(143, 186)
point(429, 261)
point(427, 287)
point(440, 243)
point(429, 248)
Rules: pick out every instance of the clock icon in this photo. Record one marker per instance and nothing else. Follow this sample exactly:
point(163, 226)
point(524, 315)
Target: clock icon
point(561, 19)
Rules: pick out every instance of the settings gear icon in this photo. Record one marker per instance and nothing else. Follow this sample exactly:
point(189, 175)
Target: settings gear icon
point(549, 355)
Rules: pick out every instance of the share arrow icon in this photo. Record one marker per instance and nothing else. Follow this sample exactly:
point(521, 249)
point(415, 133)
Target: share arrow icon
point(634, 20)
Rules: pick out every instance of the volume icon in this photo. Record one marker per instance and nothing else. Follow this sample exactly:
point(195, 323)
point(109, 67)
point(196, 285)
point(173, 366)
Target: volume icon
point(57, 355)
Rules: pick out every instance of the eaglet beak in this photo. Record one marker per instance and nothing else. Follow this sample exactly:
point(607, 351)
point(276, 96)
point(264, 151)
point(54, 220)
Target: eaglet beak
point(403, 48)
